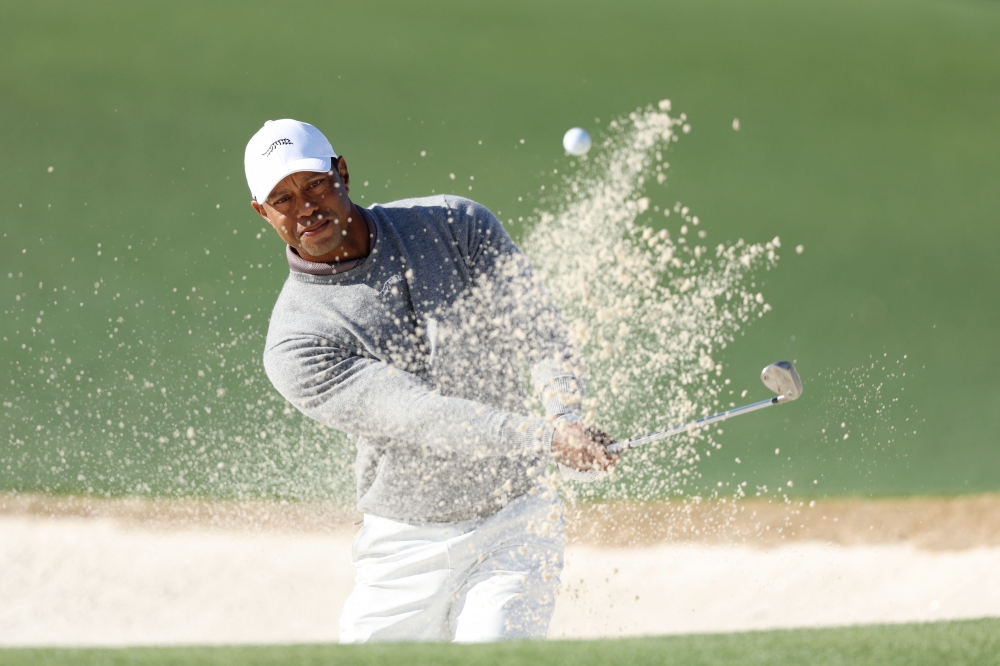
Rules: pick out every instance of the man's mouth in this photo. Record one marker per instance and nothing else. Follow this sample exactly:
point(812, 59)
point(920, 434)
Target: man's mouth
point(315, 229)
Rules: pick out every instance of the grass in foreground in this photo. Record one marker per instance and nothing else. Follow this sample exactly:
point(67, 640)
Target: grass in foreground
point(954, 643)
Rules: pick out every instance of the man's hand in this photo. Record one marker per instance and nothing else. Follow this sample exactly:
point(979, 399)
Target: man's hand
point(582, 449)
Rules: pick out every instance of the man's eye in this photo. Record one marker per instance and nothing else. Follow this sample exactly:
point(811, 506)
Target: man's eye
point(315, 183)
point(280, 201)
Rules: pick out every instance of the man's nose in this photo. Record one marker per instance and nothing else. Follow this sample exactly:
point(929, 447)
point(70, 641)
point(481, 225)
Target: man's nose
point(306, 208)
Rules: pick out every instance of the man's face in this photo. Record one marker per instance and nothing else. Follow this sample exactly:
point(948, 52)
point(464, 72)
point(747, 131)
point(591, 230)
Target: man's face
point(310, 210)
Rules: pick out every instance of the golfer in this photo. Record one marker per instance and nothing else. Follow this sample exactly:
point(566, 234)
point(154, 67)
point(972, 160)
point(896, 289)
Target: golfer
point(406, 325)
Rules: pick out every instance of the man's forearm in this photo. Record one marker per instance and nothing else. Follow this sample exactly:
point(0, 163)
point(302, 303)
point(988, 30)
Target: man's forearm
point(372, 399)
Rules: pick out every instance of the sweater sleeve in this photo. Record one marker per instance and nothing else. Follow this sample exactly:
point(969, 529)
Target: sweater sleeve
point(508, 285)
point(373, 399)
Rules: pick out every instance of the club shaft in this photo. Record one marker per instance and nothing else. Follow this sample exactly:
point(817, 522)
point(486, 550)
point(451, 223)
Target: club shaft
point(618, 447)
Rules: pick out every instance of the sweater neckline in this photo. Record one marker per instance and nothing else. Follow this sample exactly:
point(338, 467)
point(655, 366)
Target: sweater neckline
point(307, 270)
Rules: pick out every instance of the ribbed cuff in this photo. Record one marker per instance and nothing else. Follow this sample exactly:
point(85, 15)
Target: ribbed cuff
point(563, 394)
point(525, 434)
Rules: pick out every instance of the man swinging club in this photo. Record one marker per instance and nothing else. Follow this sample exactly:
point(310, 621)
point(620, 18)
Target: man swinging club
point(404, 325)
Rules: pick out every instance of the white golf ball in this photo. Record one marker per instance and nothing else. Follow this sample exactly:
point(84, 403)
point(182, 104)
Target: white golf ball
point(576, 142)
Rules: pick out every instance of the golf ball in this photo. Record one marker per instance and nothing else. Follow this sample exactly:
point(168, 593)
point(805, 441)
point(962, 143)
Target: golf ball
point(576, 142)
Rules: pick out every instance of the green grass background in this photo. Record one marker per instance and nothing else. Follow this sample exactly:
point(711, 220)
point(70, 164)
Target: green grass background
point(870, 134)
point(956, 643)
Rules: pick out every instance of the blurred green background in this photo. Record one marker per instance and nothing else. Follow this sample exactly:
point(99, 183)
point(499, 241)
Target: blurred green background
point(135, 288)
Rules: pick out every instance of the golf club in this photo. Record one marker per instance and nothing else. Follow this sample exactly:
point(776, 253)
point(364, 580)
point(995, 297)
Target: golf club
point(780, 377)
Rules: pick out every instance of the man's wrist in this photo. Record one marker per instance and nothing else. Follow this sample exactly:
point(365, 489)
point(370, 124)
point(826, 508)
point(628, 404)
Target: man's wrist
point(525, 434)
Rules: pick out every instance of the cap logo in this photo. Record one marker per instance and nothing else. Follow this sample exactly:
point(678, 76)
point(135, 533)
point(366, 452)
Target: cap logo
point(273, 146)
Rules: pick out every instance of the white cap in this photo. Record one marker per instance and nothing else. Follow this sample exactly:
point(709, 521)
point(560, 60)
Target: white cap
point(282, 147)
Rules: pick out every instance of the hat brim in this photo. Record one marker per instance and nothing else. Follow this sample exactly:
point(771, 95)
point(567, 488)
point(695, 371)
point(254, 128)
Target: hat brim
point(318, 164)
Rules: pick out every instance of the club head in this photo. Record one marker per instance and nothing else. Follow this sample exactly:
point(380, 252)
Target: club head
point(782, 379)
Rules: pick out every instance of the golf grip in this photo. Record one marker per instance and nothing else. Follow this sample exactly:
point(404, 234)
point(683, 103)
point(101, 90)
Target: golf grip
point(618, 447)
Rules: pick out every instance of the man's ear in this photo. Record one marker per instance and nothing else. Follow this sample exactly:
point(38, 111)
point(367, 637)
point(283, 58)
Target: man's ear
point(260, 209)
point(345, 176)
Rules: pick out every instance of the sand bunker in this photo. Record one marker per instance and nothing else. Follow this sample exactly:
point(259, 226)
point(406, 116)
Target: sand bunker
point(131, 572)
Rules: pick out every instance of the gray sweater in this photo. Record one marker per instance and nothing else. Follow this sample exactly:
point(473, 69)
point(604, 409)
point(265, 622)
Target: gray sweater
point(417, 352)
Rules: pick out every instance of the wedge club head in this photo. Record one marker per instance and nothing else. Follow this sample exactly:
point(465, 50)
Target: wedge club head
point(782, 379)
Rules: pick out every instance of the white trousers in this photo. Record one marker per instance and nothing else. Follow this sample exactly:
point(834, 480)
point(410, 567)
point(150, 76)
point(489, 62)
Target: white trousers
point(481, 580)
